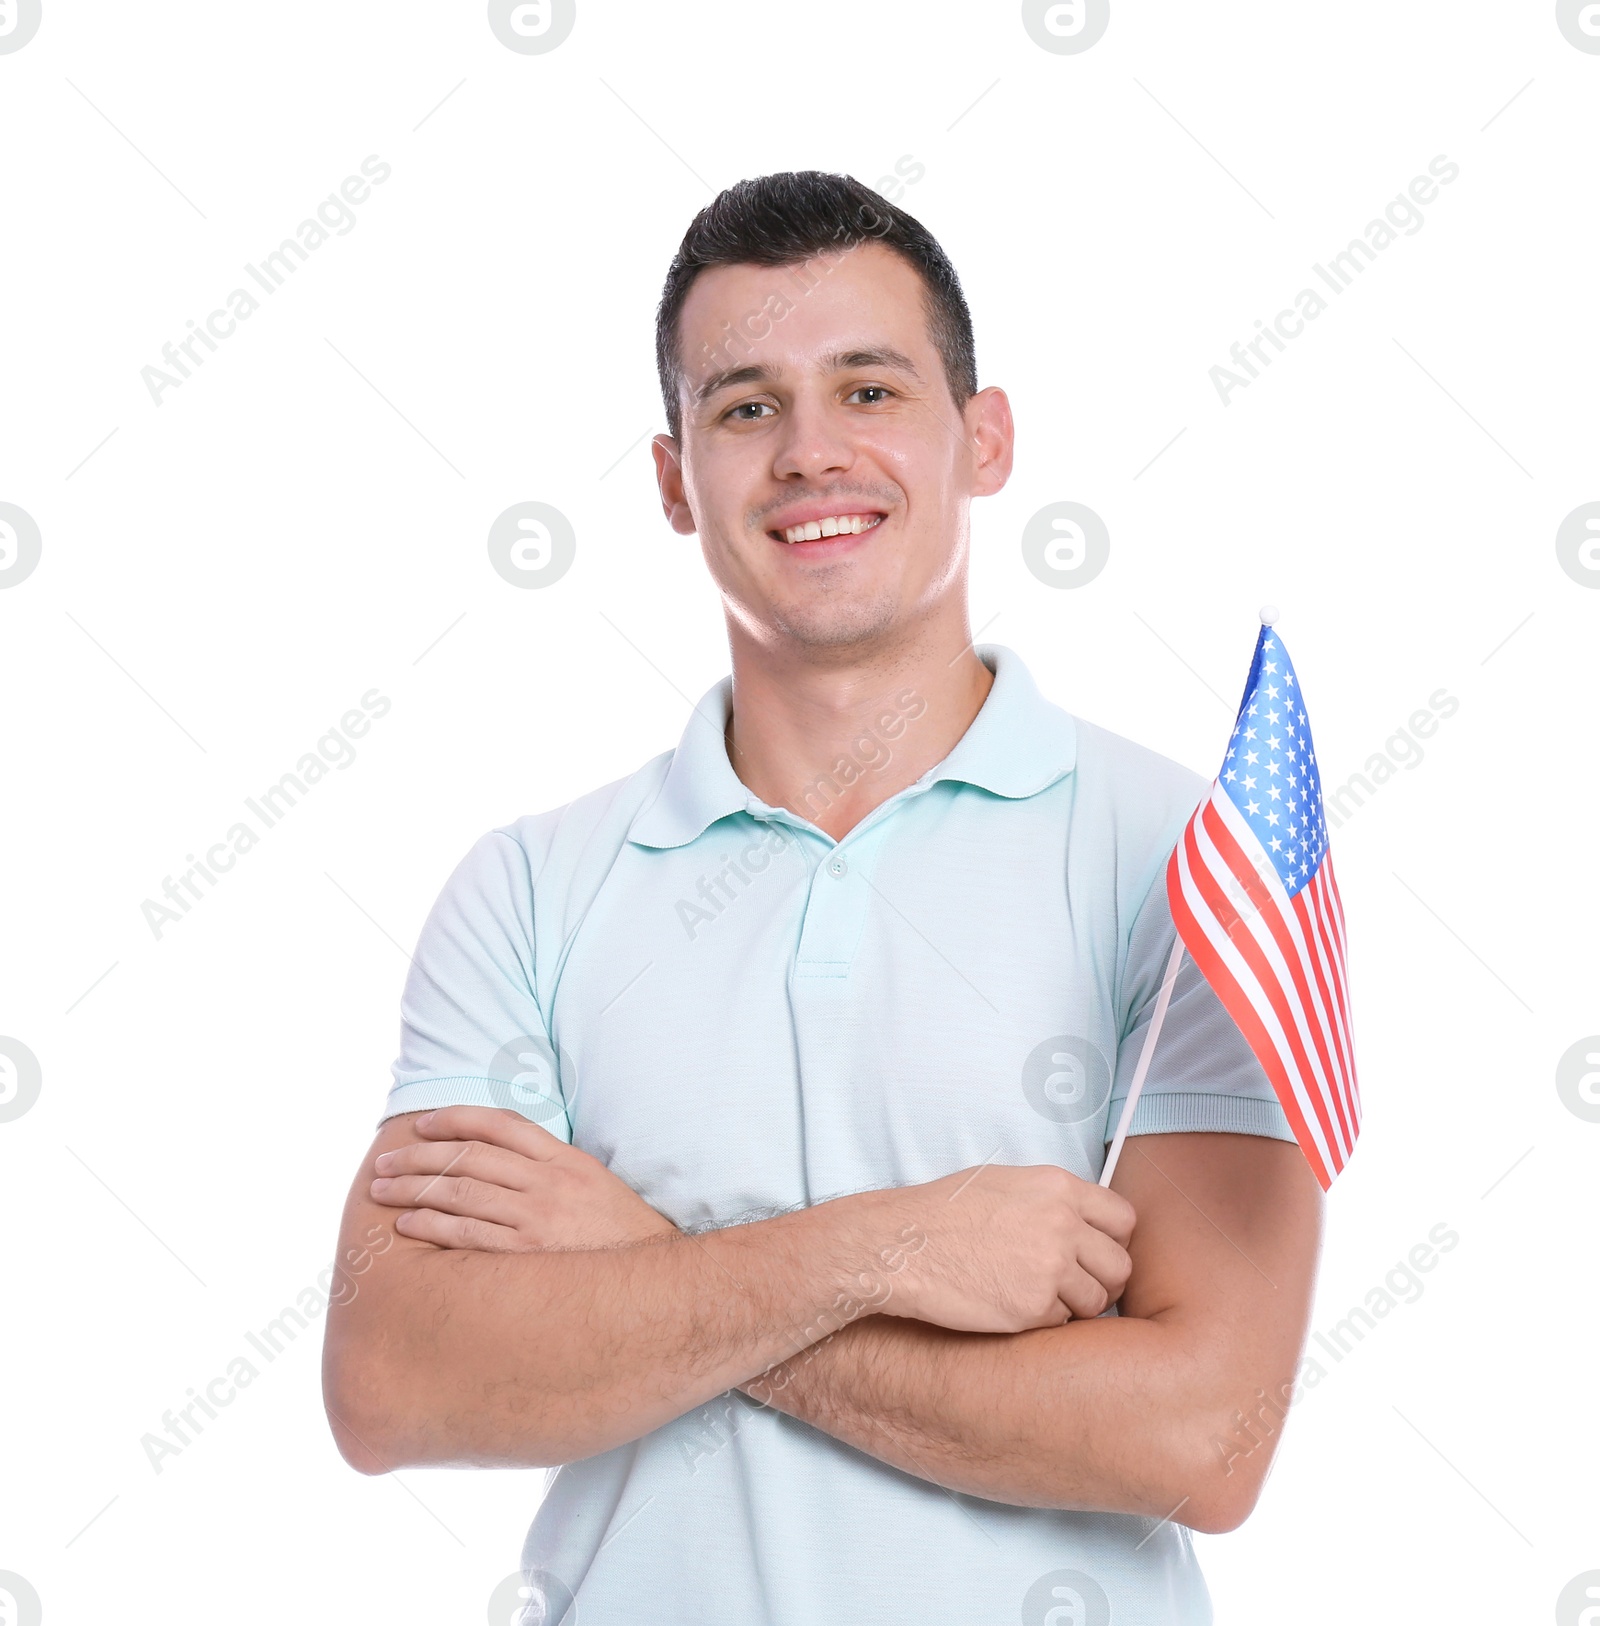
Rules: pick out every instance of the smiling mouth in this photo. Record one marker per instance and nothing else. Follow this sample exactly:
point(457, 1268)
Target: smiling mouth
point(834, 525)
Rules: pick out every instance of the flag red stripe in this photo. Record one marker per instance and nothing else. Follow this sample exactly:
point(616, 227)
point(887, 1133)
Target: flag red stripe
point(1299, 953)
point(1332, 898)
point(1341, 1100)
point(1320, 908)
point(1340, 1094)
point(1317, 907)
point(1319, 1089)
point(1338, 908)
point(1321, 960)
point(1322, 966)
point(1324, 906)
point(1323, 914)
point(1237, 1002)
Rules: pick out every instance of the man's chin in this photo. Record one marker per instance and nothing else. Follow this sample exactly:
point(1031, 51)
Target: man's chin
point(838, 628)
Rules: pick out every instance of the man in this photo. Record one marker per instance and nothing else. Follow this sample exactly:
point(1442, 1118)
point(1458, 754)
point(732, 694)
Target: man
point(776, 1078)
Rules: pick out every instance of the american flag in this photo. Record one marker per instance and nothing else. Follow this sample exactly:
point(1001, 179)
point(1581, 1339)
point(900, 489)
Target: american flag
point(1255, 903)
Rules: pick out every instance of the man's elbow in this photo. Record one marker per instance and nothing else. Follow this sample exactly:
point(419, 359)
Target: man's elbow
point(380, 1423)
point(361, 1398)
point(1222, 1479)
point(1220, 1512)
point(356, 1431)
point(355, 1448)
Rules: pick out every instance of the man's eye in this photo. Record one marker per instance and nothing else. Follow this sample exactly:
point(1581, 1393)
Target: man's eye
point(877, 389)
point(750, 407)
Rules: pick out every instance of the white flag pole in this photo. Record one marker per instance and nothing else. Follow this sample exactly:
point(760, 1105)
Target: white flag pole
point(1158, 1016)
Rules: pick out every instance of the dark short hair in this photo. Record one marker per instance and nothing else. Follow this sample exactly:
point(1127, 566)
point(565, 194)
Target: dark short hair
point(786, 219)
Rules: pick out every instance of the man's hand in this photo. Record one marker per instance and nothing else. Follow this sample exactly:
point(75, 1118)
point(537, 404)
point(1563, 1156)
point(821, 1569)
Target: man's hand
point(575, 1316)
point(487, 1178)
point(991, 1249)
point(1003, 1249)
point(1171, 1409)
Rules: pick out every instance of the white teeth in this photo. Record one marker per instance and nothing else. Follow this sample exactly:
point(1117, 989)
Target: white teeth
point(834, 525)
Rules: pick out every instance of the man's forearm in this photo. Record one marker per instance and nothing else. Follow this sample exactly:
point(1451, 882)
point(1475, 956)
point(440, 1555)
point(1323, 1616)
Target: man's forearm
point(446, 1357)
point(1106, 1414)
point(1172, 1408)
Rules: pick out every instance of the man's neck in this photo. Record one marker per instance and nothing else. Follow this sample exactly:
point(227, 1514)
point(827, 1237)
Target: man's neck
point(833, 740)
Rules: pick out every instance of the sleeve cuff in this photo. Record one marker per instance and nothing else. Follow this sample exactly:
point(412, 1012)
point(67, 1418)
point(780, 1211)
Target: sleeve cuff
point(1181, 1112)
point(466, 1090)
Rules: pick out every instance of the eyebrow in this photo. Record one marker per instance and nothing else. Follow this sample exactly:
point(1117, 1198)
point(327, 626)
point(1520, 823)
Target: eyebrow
point(839, 362)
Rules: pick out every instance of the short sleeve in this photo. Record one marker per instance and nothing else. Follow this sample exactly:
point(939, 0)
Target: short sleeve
point(471, 1030)
point(1203, 1074)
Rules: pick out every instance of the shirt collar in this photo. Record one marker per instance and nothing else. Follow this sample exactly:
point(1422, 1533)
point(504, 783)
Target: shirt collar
point(1018, 744)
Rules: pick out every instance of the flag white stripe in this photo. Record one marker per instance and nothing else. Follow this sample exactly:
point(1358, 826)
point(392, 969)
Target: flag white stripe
point(1326, 890)
point(1317, 1022)
point(1335, 912)
point(1326, 955)
point(1319, 1087)
point(1228, 952)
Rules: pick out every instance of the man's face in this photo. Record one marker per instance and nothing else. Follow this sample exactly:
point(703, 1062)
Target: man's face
point(814, 393)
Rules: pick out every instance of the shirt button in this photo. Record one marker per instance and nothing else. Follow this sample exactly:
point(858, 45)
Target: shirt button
point(837, 866)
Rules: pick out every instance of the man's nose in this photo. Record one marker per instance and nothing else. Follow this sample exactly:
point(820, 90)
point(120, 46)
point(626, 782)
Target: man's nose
point(813, 442)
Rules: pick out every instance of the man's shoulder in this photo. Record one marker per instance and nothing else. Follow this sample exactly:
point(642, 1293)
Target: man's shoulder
point(1133, 782)
point(601, 816)
point(1129, 807)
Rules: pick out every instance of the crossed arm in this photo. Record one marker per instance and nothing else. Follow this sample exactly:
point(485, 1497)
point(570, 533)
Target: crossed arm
point(1173, 1407)
point(1198, 1363)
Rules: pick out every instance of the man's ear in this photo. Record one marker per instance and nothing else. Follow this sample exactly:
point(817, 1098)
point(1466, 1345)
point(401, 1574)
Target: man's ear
point(669, 478)
point(993, 438)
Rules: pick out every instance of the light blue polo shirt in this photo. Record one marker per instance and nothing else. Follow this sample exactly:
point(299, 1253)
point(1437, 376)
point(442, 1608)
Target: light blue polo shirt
point(741, 1017)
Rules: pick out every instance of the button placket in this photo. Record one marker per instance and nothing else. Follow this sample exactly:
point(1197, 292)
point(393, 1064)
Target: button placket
point(837, 904)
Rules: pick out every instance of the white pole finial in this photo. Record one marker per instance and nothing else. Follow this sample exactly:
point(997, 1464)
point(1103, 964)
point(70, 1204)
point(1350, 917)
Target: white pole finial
point(1269, 614)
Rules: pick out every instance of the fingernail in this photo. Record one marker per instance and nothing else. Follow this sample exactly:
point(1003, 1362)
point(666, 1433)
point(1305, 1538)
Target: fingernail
point(379, 1185)
point(424, 1120)
point(383, 1161)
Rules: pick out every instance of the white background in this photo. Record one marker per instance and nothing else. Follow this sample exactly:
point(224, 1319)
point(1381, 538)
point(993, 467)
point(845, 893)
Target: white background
point(304, 519)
